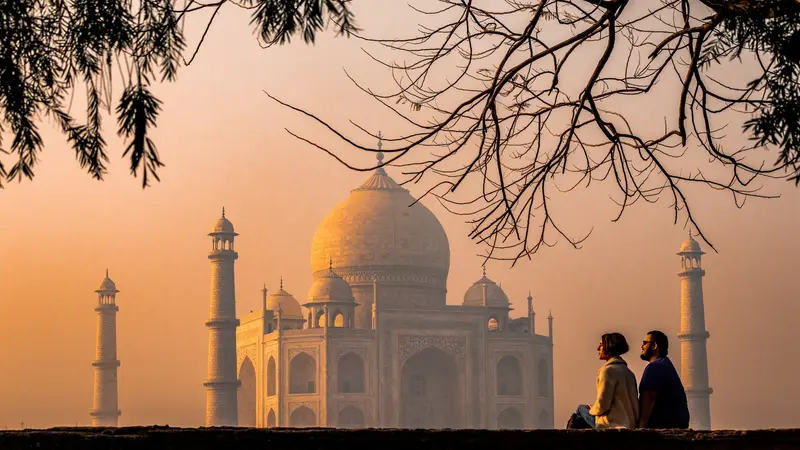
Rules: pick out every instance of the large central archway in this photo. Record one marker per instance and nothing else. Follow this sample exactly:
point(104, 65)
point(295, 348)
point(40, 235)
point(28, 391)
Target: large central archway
point(429, 391)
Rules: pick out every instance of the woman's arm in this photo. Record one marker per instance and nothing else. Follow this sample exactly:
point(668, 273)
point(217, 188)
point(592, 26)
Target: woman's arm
point(605, 393)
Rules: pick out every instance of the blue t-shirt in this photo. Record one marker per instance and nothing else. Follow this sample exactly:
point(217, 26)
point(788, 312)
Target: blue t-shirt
point(671, 409)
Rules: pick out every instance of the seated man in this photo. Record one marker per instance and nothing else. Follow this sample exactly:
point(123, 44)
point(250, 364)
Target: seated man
point(662, 399)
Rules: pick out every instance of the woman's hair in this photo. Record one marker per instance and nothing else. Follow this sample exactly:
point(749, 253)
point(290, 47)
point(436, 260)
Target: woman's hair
point(614, 344)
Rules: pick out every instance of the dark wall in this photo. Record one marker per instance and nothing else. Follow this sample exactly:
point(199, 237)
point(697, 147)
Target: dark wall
point(233, 438)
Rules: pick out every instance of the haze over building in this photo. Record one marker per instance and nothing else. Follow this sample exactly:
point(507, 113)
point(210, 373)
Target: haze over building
point(377, 345)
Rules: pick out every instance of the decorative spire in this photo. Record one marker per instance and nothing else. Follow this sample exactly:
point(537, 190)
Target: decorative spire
point(106, 273)
point(530, 297)
point(330, 263)
point(281, 282)
point(380, 147)
point(484, 270)
point(223, 212)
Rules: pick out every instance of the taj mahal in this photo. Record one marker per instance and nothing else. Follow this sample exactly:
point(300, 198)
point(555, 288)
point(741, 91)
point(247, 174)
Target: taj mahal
point(374, 343)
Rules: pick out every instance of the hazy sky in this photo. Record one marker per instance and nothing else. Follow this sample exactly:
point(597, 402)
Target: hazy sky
point(224, 145)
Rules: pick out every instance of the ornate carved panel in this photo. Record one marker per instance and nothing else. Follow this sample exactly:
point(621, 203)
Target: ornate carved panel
point(410, 345)
point(242, 352)
point(360, 405)
point(312, 351)
point(360, 351)
point(500, 353)
point(308, 404)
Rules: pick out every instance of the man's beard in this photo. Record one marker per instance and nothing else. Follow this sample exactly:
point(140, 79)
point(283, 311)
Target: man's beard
point(647, 354)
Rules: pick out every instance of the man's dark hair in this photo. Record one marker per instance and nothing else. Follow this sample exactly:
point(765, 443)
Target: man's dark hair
point(614, 344)
point(661, 341)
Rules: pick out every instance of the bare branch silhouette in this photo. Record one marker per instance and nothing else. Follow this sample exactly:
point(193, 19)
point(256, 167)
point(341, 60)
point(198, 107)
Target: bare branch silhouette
point(531, 99)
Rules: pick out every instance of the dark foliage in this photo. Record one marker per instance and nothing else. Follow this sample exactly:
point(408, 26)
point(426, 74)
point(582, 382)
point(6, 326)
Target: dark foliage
point(51, 49)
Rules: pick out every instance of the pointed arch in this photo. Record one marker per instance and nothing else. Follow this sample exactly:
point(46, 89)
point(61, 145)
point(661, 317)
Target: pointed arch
point(271, 374)
point(509, 376)
point(350, 370)
point(493, 324)
point(351, 417)
point(543, 379)
point(302, 417)
point(247, 394)
point(338, 319)
point(302, 374)
point(272, 421)
point(545, 420)
point(429, 391)
point(510, 419)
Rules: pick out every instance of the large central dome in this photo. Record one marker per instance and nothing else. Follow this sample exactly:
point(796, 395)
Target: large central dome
point(377, 230)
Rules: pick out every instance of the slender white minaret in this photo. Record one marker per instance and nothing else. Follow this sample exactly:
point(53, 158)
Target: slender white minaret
point(531, 315)
point(105, 412)
point(693, 336)
point(222, 383)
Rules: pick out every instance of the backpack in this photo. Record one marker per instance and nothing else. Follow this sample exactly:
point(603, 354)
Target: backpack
point(576, 422)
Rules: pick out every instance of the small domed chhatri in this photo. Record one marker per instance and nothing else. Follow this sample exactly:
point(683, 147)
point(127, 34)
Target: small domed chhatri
point(690, 246)
point(330, 287)
point(223, 225)
point(495, 296)
point(288, 305)
point(107, 285)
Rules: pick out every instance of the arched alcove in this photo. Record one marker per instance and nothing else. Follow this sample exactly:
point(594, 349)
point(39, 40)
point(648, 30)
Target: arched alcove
point(302, 374)
point(271, 381)
point(272, 421)
point(338, 319)
point(302, 417)
point(543, 379)
point(509, 376)
point(493, 324)
point(350, 369)
point(510, 419)
point(429, 391)
point(545, 420)
point(247, 394)
point(351, 417)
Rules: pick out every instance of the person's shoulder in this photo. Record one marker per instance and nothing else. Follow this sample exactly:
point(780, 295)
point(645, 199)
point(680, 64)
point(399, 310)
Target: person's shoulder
point(654, 368)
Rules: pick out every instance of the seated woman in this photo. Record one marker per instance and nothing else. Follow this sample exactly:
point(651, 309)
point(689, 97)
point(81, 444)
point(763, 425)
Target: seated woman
point(617, 403)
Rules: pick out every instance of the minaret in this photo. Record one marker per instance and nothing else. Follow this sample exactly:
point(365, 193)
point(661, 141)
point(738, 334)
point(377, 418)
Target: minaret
point(106, 408)
point(550, 326)
point(531, 315)
point(693, 336)
point(222, 383)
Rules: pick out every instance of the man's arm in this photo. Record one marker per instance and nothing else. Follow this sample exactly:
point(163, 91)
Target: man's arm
point(647, 400)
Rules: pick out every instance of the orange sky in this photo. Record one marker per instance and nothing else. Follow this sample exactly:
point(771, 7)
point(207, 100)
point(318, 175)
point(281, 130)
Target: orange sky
point(224, 144)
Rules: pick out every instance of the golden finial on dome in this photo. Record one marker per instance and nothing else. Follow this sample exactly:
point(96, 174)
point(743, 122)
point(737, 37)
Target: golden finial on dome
point(281, 282)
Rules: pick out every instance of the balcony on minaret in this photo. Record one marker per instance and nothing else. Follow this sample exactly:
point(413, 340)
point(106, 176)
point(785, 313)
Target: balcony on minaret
point(691, 254)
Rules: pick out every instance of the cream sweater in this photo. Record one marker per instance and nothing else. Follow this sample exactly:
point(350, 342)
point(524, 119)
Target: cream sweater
point(617, 404)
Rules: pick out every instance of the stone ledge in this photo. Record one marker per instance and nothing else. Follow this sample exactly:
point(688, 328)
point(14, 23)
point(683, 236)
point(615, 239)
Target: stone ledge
point(156, 437)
